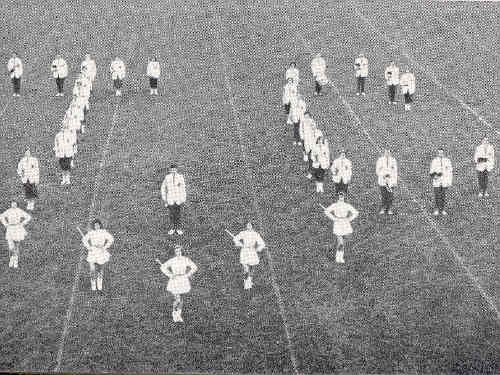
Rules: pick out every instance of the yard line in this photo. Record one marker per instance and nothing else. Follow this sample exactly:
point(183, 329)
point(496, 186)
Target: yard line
point(425, 71)
point(227, 84)
point(420, 204)
point(97, 186)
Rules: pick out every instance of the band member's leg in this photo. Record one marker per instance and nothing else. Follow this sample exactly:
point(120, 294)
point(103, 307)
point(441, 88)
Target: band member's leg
point(93, 276)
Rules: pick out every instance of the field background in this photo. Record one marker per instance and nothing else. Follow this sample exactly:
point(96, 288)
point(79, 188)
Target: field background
point(403, 302)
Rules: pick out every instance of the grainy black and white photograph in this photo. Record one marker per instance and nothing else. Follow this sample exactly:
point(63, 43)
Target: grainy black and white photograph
point(250, 187)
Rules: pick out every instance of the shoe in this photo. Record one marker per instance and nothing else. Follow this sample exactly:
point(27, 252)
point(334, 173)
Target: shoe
point(486, 194)
point(480, 195)
point(299, 143)
point(309, 176)
point(357, 94)
point(179, 232)
point(381, 212)
point(436, 212)
point(171, 232)
point(294, 143)
point(444, 213)
point(248, 283)
point(364, 94)
point(315, 93)
point(394, 102)
point(390, 212)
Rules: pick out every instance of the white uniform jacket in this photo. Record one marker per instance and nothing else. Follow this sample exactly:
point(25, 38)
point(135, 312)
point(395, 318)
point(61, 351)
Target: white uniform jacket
point(387, 171)
point(392, 75)
point(117, 69)
point(442, 172)
point(292, 73)
point(15, 67)
point(28, 169)
point(153, 70)
point(251, 243)
point(341, 170)
point(173, 189)
point(65, 144)
point(59, 68)
point(318, 66)
point(407, 82)
point(361, 67)
point(484, 151)
point(289, 91)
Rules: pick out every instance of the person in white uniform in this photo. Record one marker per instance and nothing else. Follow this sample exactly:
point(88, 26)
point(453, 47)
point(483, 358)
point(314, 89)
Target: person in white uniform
point(391, 75)
point(361, 73)
point(484, 157)
point(59, 70)
point(179, 271)
point(153, 71)
point(97, 241)
point(341, 173)
point(29, 171)
point(65, 149)
point(88, 67)
point(320, 156)
point(387, 178)
point(290, 92)
point(441, 173)
point(251, 244)
point(318, 69)
point(15, 68)
point(342, 214)
point(14, 219)
point(407, 83)
point(117, 70)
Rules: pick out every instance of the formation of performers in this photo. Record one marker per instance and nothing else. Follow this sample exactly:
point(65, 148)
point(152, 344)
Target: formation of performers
point(316, 151)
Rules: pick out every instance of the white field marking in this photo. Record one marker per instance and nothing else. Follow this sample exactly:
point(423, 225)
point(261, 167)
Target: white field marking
point(97, 185)
point(225, 69)
point(426, 72)
point(419, 203)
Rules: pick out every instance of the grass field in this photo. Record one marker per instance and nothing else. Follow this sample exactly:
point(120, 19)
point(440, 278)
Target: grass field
point(416, 295)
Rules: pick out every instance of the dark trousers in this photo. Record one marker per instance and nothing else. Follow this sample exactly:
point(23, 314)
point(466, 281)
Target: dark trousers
point(318, 87)
point(440, 197)
point(361, 84)
point(287, 108)
point(153, 82)
point(175, 215)
point(16, 83)
point(117, 83)
point(482, 177)
point(60, 85)
point(392, 92)
point(341, 187)
point(296, 131)
point(408, 98)
point(387, 197)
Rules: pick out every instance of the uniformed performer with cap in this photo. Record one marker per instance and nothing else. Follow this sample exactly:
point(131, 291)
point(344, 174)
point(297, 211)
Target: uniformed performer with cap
point(342, 214)
point(179, 270)
point(59, 70)
point(117, 70)
point(361, 73)
point(441, 173)
point(290, 91)
point(293, 73)
point(387, 174)
point(251, 244)
point(153, 71)
point(173, 193)
point(310, 135)
point(392, 80)
point(407, 82)
point(15, 68)
point(29, 172)
point(14, 219)
point(97, 241)
point(88, 67)
point(484, 157)
point(318, 69)
point(65, 150)
point(320, 156)
point(341, 173)
point(298, 108)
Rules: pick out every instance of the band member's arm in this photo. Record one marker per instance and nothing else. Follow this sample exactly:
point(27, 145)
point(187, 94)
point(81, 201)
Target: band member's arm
point(192, 268)
point(164, 190)
point(20, 170)
point(3, 220)
point(259, 244)
point(238, 240)
point(353, 214)
point(109, 241)
point(165, 268)
point(26, 217)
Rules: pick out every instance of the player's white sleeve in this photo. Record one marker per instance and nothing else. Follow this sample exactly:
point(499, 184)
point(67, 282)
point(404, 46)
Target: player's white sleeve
point(109, 240)
point(354, 213)
point(260, 243)
point(165, 269)
point(192, 267)
point(86, 241)
point(238, 240)
point(163, 189)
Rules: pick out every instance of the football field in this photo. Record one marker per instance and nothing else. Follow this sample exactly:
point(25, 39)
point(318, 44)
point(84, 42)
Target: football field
point(417, 294)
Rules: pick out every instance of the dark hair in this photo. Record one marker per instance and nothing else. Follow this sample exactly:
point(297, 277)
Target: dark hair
point(97, 221)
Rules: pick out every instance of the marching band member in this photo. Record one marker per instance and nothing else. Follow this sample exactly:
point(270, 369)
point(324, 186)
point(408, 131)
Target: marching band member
point(251, 244)
point(361, 73)
point(293, 73)
point(153, 71)
point(311, 135)
point(289, 92)
point(179, 270)
point(392, 80)
point(441, 173)
point(407, 82)
point(387, 173)
point(173, 193)
point(97, 241)
point(320, 162)
point(65, 150)
point(15, 68)
point(14, 219)
point(484, 157)
point(318, 69)
point(117, 70)
point(29, 171)
point(89, 67)
point(297, 110)
point(341, 173)
point(59, 70)
point(341, 213)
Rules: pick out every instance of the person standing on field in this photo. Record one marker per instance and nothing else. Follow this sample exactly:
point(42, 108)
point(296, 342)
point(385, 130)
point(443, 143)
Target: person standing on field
point(153, 72)
point(15, 68)
point(117, 70)
point(361, 73)
point(59, 70)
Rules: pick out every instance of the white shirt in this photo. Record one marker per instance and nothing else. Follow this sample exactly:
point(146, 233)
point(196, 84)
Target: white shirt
point(387, 171)
point(341, 170)
point(407, 82)
point(318, 66)
point(154, 69)
point(64, 143)
point(59, 68)
point(298, 107)
point(15, 67)
point(14, 216)
point(321, 155)
point(392, 75)
point(443, 166)
point(117, 69)
point(361, 67)
point(178, 266)
point(249, 239)
point(289, 91)
point(292, 73)
point(343, 210)
point(485, 151)
point(173, 189)
point(311, 133)
point(91, 67)
point(98, 239)
point(28, 170)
